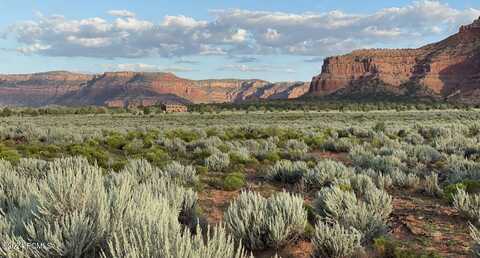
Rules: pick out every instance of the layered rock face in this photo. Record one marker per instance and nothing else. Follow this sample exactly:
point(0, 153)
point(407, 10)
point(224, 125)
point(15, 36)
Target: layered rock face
point(40, 88)
point(449, 69)
point(119, 89)
point(281, 90)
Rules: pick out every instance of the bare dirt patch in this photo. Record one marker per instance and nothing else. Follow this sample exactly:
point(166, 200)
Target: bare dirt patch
point(214, 203)
point(299, 249)
point(341, 157)
point(429, 224)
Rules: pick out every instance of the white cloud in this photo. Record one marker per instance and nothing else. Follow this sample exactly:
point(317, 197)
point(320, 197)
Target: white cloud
point(140, 67)
point(178, 69)
point(317, 59)
point(129, 24)
point(121, 13)
point(32, 48)
point(238, 32)
point(243, 68)
point(272, 34)
point(183, 60)
point(182, 22)
point(89, 42)
point(208, 50)
point(256, 69)
point(239, 36)
point(376, 32)
point(246, 59)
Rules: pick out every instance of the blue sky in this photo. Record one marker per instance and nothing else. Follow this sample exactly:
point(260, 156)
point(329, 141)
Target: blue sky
point(273, 40)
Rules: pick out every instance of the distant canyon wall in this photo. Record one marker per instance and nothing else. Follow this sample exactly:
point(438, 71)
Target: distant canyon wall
point(117, 89)
point(449, 69)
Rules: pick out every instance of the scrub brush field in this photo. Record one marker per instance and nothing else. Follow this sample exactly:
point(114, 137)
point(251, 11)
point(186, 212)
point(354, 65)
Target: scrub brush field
point(241, 184)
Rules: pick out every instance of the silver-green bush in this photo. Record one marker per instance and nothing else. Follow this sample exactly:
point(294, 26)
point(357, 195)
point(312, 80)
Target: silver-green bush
point(286, 171)
point(475, 234)
point(180, 173)
point(326, 172)
point(467, 205)
point(430, 185)
point(217, 161)
point(366, 211)
point(262, 223)
point(295, 149)
point(335, 241)
point(286, 218)
point(75, 211)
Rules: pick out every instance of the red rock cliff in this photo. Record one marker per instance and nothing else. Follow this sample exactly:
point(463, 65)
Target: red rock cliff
point(448, 69)
point(119, 89)
point(40, 88)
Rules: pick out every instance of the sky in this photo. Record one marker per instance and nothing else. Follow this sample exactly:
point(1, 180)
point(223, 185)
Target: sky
point(276, 40)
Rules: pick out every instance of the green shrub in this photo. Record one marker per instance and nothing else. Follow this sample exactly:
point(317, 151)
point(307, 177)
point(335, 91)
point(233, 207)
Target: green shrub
point(202, 170)
point(234, 181)
point(134, 147)
point(157, 156)
point(469, 186)
point(185, 135)
point(38, 150)
point(472, 186)
point(116, 141)
point(385, 247)
point(315, 141)
point(272, 156)
point(118, 165)
point(380, 127)
point(8, 154)
point(451, 190)
point(240, 156)
point(93, 153)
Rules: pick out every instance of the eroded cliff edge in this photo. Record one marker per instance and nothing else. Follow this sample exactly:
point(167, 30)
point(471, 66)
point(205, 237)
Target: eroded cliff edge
point(449, 69)
point(119, 89)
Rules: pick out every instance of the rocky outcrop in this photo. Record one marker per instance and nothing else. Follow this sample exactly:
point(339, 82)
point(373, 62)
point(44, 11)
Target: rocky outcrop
point(40, 88)
point(449, 69)
point(281, 90)
point(119, 89)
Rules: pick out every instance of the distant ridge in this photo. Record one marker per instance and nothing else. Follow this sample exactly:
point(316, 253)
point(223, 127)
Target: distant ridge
point(118, 89)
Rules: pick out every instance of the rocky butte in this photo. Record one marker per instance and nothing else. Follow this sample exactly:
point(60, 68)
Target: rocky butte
point(447, 70)
point(120, 89)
